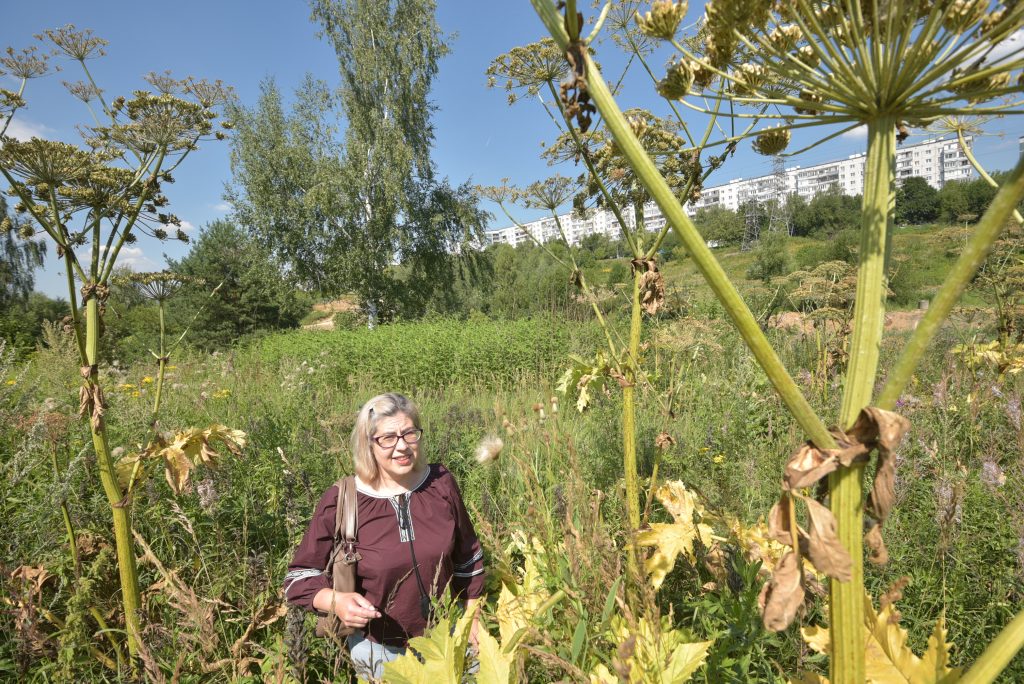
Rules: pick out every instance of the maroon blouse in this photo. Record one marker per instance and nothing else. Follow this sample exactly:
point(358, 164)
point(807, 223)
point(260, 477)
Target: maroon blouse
point(447, 551)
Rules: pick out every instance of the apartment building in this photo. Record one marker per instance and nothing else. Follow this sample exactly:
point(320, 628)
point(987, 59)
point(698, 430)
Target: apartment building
point(937, 160)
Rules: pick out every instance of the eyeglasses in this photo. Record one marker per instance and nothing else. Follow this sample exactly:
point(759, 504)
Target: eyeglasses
point(389, 441)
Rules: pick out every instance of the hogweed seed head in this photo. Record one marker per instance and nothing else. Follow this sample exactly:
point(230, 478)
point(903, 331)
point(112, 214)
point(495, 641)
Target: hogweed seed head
point(772, 141)
point(929, 58)
point(662, 21)
point(677, 81)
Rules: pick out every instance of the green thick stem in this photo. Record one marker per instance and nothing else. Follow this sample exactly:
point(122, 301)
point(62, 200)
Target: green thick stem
point(985, 235)
point(846, 485)
point(130, 596)
point(673, 212)
point(998, 654)
point(162, 362)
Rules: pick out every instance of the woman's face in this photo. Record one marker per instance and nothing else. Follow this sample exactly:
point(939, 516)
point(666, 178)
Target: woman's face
point(397, 462)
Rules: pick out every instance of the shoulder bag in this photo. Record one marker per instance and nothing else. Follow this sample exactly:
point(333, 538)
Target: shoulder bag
point(341, 564)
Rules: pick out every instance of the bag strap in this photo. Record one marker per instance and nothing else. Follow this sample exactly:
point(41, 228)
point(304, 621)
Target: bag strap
point(346, 526)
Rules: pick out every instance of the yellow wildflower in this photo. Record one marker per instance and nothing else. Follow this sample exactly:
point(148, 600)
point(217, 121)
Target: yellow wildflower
point(719, 458)
point(147, 380)
point(11, 381)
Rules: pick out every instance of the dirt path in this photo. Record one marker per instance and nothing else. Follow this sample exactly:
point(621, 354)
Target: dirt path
point(336, 306)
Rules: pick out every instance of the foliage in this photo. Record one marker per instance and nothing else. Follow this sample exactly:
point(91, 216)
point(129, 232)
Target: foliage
point(771, 257)
point(917, 202)
point(254, 296)
point(431, 354)
point(826, 214)
point(720, 226)
point(286, 174)
point(18, 259)
point(21, 322)
point(384, 199)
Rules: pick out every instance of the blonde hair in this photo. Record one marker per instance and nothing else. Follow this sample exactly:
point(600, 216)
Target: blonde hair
point(381, 406)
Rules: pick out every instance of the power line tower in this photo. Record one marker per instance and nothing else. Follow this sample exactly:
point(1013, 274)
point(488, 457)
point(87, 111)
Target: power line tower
point(778, 216)
point(752, 231)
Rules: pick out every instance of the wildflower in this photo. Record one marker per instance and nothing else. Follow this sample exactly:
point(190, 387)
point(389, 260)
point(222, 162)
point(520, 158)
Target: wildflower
point(489, 449)
point(11, 381)
point(147, 380)
point(719, 458)
point(136, 394)
point(222, 394)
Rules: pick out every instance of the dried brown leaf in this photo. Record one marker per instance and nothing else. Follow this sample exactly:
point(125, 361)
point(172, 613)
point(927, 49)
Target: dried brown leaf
point(652, 292)
point(824, 549)
point(808, 465)
point(783, 595)
point(664, 441)
point(877, 552)
point(779, 523)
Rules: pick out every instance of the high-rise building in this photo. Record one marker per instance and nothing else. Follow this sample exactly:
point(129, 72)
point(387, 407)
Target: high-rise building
point(938, 161)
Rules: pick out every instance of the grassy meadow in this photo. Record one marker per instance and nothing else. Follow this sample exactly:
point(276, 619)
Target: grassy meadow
point(212, 559)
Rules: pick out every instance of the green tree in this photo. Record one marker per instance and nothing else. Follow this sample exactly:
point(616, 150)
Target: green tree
point(953, 203)
point(392, 207)
point(254, 296)
point(771, 258)
point(827, 213)
point(287, 171)
point(18, 259)
point(720, 225)
point(917, 202)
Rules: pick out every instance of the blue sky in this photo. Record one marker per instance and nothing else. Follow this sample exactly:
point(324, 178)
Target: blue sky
point(478, 135)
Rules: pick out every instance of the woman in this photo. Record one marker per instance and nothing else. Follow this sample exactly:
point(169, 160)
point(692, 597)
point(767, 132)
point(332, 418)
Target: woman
point(407, 509)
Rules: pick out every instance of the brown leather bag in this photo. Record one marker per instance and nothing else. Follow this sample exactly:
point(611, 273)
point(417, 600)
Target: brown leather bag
point(341, 565)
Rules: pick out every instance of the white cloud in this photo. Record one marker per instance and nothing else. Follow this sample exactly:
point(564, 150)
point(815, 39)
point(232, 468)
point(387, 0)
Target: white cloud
point(222, 206)
point(21, 129)
point(1007, 48)
point(131, 257)
point(858, 133)
point(135, 259)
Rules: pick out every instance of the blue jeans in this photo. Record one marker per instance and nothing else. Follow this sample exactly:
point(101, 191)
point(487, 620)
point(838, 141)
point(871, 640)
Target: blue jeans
point(368, 657)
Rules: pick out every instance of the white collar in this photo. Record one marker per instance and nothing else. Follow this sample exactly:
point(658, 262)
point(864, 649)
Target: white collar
point(364, 488)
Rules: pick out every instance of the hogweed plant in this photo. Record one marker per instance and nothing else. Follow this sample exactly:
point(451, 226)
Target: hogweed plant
point(160, 287)
point(888, 66)
point(608, 182)
point(94, 199)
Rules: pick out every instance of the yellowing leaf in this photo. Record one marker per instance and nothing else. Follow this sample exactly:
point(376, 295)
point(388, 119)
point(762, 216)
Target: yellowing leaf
point(670, 540)
point(684, 661)
point(519, 604)
point(194, 446)
point(177, 466)
point(129, 470)
point(496, 666)
point(601, 675)
point(443, 654)
point(887, 658)
point(660, 654)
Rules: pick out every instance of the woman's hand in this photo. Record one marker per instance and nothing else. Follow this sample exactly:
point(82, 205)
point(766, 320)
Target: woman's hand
point(351, 608)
